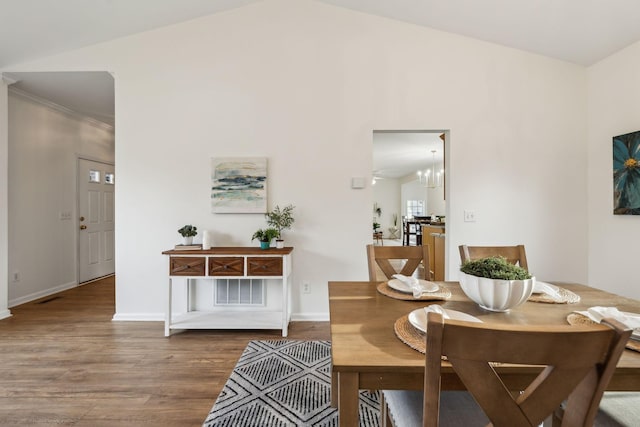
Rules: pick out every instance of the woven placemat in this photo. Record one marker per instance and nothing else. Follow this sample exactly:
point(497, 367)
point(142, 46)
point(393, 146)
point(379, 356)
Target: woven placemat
point(409, 335)
point(580, 319)
point(417, 340)
point(566, 297)
point(440, 295)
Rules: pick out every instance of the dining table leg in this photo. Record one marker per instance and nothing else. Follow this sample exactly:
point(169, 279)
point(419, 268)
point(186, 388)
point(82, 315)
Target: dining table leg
point(334, 389)
point(348, 398)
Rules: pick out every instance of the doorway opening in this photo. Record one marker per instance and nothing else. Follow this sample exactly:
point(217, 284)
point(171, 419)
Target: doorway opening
point(55, 118)
point(409, 185)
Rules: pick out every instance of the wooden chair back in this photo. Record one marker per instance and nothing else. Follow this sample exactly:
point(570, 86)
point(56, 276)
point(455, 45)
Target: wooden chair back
point(575, 362)
point(390, 260)
point(513, 254)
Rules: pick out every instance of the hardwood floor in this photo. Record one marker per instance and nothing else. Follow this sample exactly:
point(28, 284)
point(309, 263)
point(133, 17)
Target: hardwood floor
point(64, 362)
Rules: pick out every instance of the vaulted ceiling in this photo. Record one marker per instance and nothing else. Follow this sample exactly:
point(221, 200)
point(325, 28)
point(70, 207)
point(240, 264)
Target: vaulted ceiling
point(578, 31)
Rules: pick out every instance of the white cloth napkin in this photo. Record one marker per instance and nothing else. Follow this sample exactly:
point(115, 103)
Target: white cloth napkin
point(598, 313)
point(435, 308)
point(548, 289)
point(416, 287)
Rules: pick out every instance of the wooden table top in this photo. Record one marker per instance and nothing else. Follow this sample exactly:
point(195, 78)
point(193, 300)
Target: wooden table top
point(231, 250)
point(363, 339)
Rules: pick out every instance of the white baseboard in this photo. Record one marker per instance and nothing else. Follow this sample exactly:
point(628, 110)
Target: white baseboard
point(310, 317)
point(41, 294)
point(159, 317)
point(4, 314)
point(138, 317)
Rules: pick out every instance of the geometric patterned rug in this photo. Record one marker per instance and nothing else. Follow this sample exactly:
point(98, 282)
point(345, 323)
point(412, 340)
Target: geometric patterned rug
point(284, 383)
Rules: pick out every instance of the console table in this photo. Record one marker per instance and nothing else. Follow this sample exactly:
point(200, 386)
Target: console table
point(230, 263)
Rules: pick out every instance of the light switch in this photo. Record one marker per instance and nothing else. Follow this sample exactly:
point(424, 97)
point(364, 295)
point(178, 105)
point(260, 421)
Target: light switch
point(358, 182)
point(469, 216)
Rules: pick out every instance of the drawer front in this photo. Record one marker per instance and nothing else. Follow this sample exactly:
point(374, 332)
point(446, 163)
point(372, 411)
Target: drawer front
point(226, 266)
point(186, 266)
point(264, 266)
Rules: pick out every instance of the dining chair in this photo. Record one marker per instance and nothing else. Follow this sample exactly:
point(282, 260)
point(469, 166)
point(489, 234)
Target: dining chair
point(575, 364)
point(385, 261)
point(513, 254)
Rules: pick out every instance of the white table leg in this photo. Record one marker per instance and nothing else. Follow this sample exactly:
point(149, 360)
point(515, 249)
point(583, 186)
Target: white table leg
point(285, 296)
point(167, 318)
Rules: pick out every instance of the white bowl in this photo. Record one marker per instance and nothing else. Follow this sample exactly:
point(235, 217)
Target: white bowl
point(496, 294)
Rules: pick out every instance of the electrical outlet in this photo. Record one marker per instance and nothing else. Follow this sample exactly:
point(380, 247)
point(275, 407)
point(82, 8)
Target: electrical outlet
point(469, 216)
point(16, 276)
point(306, 288)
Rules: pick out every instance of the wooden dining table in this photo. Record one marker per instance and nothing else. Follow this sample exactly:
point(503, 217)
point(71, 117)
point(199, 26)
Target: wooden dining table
point(367, 355)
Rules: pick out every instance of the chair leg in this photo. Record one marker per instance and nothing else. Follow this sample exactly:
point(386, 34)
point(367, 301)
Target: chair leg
point(556, 417)
point(385, 419)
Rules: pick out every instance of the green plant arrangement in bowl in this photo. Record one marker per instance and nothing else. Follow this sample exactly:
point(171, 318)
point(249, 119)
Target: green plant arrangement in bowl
point(188, 232)
point(265, 236)
point(280, 219)
point(495, 284)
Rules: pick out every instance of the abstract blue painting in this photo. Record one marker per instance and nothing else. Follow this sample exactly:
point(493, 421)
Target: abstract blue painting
point(239, 185)
point(626, 174)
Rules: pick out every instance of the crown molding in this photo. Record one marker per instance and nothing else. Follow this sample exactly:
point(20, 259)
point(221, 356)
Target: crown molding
point(34, 98)
point(8, 80)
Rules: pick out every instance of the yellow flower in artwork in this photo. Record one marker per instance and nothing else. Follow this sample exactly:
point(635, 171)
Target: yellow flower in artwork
point(631, 163)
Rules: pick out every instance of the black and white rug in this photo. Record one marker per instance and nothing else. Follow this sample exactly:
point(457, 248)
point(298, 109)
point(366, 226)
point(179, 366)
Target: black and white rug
point(284, 383)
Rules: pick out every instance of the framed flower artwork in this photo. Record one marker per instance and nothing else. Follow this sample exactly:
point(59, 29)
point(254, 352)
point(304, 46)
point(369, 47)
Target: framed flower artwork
point(626, 174)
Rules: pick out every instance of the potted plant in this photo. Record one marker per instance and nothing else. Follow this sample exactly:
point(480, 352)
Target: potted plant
point(188, 232)
point(280, 219)
point(496, 284)
point(376, 225)
point(265, 236)
point(377, 210)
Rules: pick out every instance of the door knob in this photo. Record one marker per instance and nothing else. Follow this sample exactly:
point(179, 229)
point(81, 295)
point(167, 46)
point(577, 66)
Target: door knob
point(83, 227)
point(81, 218)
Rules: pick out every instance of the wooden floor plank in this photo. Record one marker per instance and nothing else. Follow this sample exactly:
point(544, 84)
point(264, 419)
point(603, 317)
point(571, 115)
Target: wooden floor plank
point(63, 361)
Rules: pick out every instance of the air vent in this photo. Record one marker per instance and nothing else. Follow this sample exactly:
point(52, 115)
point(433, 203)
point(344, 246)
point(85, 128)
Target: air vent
point(48, 300)
point(239, 292)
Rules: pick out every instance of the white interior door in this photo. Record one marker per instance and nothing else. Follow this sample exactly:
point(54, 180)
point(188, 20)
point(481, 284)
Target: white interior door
point(96, 241)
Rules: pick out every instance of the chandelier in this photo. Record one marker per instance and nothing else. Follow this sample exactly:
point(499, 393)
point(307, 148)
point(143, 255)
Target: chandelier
point(430, 178)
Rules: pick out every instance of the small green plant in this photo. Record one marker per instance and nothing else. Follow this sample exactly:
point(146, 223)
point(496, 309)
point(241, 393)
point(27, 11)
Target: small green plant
point(188, 231)
point(375, 226)
point(280, 219)
point(495, 268)
point(377, 210)
point(265, 235)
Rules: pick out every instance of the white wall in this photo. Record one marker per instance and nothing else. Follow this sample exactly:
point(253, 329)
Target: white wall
point(614, 92)
point(44, 144)
point(386, 192)
point(4, 189)
point(305, 84)
point(435, 197)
